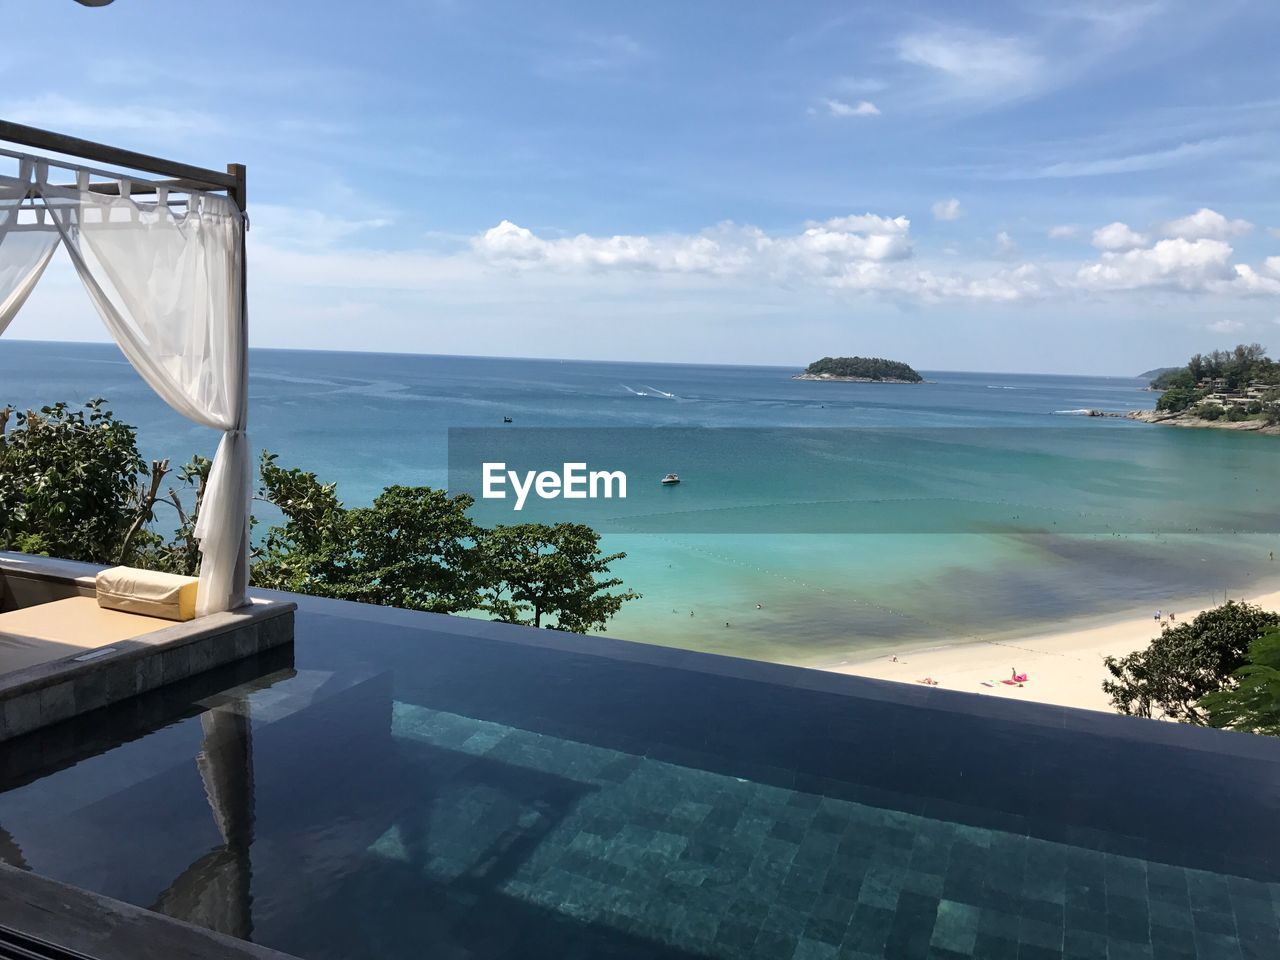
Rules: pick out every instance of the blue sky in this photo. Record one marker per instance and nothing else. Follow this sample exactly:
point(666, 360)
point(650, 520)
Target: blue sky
point(1069, 187)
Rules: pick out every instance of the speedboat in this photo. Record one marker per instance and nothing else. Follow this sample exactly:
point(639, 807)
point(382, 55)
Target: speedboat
point(671, 478)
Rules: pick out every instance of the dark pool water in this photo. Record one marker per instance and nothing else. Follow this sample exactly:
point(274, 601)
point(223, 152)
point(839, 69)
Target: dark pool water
point(406, 786)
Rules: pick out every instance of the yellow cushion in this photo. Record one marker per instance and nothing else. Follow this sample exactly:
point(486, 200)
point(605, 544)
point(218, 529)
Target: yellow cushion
point(147, 592)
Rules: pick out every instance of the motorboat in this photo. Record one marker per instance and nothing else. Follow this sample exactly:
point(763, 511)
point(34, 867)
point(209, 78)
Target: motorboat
point(671, 478)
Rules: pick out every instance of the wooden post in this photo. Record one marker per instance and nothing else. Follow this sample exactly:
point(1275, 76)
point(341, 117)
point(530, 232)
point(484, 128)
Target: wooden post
point(237, 190)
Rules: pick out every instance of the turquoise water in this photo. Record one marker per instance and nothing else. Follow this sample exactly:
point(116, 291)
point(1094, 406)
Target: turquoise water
point(369, 420)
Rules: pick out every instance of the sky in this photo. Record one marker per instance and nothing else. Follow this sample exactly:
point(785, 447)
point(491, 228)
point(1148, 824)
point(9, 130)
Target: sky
point(1068, 187)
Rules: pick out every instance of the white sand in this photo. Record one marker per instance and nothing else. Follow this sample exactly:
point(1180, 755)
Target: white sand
point(1063, 667)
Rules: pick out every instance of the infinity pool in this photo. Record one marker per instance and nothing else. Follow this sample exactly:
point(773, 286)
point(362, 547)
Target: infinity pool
point(409, 786)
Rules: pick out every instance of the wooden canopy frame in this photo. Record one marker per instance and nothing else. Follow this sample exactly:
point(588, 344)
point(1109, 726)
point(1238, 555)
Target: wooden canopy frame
point(180, 176)
point(177, 176)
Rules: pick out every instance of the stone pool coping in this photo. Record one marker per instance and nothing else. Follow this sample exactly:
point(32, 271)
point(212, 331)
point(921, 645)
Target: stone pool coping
point(106, 929)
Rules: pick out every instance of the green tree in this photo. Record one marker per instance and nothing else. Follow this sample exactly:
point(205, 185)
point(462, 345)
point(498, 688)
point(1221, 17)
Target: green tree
point(1177, 399)
point(1180, 377)
point(1253, 704)
point(535, 572)
point(409, 549)
point(71, 482)
point(1186, 662)
point(872, 368)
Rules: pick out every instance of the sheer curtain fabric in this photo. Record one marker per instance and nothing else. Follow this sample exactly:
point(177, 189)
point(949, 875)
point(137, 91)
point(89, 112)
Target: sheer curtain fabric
point(27, 241)
point(168, 285)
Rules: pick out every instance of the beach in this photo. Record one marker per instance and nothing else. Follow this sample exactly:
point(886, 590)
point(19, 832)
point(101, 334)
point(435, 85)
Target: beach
point(1062, 667)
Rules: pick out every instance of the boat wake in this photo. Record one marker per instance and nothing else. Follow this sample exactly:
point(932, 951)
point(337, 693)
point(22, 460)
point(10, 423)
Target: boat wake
point(638, 393)
point(1084, 412)
point(661, 393)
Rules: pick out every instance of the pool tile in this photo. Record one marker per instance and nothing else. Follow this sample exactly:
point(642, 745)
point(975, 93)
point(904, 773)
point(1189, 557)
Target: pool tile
point(869, 930)
point(991, 947)
point(956, 927)
point(807, 949)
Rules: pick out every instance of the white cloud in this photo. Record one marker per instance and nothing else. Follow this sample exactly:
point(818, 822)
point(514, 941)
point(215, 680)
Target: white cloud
point(1063, 232)
point(863, 108)
point(515, 245)
point(1206, 224)
point(296, 227)
point(1118, 236)
point(1274, 231)
point(62, 113)
point(1249, 280)
point(1174, 263)
point(867, 223)
point(821, 249)
point(971, 64)
point(864, 254)
point(1125, 163)
point(1226, 325)
point(947, 210)
point(829, 245)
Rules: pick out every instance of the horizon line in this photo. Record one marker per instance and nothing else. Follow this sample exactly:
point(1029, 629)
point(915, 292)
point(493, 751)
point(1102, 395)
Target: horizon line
point(683, 363)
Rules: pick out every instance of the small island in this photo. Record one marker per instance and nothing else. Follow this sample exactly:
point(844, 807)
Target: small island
point(860, 370)
point(1234, 389)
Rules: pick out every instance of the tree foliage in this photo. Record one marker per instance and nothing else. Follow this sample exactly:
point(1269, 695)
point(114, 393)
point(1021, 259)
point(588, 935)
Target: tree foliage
point(870, 368)
point(1237, 367)
point(536, 572)
point(1186, 662)
point(72, 484)
point(410, 548)
point(69, 481)
point(1230, 370)
point(1177, 399)
point(1253, 704)
point(1170, 377)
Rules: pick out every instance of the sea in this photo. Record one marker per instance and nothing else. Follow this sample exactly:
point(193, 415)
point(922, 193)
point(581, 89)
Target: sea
point(988, 506)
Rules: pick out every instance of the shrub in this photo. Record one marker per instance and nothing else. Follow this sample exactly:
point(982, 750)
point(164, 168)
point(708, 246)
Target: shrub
point(1177, 399)
point(1182, 665)
point(69, 482)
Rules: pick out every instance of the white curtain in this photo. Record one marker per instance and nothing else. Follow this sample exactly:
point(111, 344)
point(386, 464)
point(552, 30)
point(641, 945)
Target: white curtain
point(168, 287)
point(27, 244)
